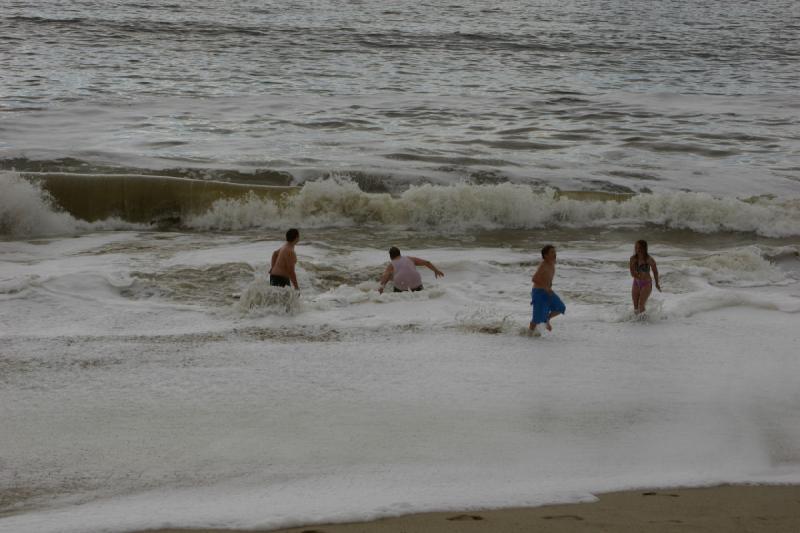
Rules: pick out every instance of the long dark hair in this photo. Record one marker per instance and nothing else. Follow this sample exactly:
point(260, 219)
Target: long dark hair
point(643, 245)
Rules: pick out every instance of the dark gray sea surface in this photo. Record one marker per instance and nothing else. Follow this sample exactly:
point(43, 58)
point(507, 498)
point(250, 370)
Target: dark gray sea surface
point(621, 96)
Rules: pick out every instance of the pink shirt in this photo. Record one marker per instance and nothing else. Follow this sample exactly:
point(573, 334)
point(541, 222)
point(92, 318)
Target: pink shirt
point(405, 275)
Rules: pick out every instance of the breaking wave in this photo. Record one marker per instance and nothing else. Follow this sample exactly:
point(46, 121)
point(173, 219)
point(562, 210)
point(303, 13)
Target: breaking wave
point(332, 203)
point(29, 209)
point(26, 210)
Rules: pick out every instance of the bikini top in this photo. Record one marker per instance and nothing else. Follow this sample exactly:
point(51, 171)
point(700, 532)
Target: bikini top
point(642, 267)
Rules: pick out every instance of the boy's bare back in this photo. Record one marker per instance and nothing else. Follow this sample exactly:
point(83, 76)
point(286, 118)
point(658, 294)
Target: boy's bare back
point(284, 260)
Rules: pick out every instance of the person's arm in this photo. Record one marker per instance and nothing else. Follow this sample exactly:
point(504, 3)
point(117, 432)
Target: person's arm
point(631, 264)
point(292, 276)
point(655, 274)
point(387, 275)
point(274, 260)
point(421, 262)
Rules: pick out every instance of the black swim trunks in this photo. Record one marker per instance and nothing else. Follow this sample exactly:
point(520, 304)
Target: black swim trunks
point(415, 289)
point(279, 281)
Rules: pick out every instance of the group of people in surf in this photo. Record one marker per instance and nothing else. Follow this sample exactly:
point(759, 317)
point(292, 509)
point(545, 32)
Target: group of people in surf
point(402, 271)
point(547, 304)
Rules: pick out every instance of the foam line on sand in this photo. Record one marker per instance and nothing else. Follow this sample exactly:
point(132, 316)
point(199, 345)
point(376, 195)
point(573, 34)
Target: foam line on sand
point(751, 508)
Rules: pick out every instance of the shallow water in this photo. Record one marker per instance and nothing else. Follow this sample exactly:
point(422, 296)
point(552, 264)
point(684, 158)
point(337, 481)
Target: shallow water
point(147, 367)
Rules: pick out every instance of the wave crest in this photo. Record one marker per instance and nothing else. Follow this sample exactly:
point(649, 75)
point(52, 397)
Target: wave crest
point(27, 210)
point(336, 203)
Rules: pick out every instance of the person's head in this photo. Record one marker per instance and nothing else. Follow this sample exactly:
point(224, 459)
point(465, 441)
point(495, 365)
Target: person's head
point(292, 236)
point(394, 252)
point(641, 248)
point(549, 252)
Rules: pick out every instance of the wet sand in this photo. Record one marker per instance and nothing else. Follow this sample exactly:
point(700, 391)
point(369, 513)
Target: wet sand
point(727, 508)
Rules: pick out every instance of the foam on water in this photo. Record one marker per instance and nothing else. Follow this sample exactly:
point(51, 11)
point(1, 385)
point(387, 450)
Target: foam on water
point(251, 434)
point(28, 211)
point(132, 399)
point(709, 298)
point(749, 266)
point(465, 207)
point(261, 298)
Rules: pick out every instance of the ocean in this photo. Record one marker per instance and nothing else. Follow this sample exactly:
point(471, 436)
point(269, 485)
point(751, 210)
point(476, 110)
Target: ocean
point(153, 154)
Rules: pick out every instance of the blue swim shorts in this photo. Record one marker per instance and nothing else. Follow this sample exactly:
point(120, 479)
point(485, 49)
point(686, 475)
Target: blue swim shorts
point(545, 303)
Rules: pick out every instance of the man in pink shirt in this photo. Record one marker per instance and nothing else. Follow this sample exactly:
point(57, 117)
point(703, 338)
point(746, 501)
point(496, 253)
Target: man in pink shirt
point(403, 272)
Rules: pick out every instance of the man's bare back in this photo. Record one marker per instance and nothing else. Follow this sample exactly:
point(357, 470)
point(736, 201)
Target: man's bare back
point(283, 261)
point(281, 271)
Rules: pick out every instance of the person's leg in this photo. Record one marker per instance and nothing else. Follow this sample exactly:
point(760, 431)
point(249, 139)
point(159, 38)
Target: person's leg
point(551, 315)
point(644, 294)
point(532, 325)
point(635, 294)
point(539, 310)
point(556, 307)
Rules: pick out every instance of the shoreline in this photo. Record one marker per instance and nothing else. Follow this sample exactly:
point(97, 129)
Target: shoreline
point(723, 508)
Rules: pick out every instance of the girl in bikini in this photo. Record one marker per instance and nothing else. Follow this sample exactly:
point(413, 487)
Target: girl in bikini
point(640, 265)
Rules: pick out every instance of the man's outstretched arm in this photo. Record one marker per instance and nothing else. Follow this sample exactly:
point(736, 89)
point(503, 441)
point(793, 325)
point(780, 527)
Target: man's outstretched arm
point(423, 262)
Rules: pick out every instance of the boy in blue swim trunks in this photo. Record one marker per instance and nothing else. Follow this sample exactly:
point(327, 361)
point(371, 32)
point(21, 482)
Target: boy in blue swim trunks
point(546, 303)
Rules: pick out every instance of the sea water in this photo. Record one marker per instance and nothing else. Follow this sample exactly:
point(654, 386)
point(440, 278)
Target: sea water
point(150, 376)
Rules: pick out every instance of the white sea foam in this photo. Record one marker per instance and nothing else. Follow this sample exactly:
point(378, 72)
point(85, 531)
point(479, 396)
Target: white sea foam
point(742, 267)
point(486, 320)
point(781, 253)
point(260, 298)
point(711, 299)
point(462, 207)
point(132, 411)
point(704, 300)
point(273, 435)
point(28, 211)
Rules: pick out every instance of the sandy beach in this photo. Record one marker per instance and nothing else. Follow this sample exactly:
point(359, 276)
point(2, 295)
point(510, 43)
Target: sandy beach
point(743, 508)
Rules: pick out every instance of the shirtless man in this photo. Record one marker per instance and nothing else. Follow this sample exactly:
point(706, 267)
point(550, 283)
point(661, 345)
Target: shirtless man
point(546, 303)
point(281, 271)
point(403, 271)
